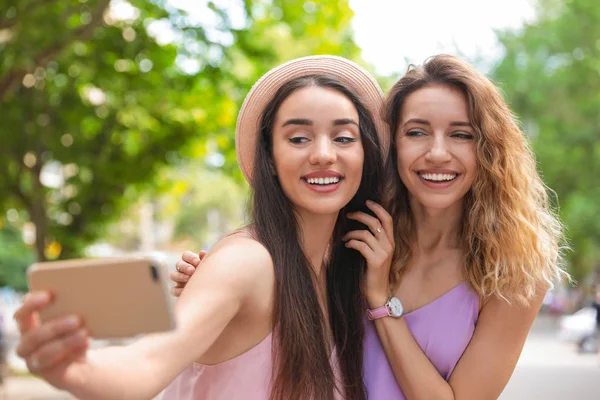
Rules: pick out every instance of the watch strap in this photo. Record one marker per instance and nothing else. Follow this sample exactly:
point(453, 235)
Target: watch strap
point(379, 312)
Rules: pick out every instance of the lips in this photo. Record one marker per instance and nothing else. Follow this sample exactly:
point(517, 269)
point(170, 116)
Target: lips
point(322, 174)
point(323, 181)
point(437, 178)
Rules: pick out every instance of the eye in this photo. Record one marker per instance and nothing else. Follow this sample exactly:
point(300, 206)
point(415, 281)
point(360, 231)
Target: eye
point(298, 140)
point(462, 135)
point(345, 139)
point(415, 133)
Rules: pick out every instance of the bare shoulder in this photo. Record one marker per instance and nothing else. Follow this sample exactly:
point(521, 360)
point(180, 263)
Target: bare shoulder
point(241, 257)
point(499, 307)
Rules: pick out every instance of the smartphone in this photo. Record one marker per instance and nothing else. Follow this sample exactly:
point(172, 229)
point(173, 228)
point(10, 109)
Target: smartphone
point(115, 297)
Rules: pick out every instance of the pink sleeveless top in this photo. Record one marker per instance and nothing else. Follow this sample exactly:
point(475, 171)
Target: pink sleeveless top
point(245, 377)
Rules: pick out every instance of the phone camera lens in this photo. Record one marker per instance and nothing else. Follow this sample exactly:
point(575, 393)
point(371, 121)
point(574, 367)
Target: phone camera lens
point(154, 272)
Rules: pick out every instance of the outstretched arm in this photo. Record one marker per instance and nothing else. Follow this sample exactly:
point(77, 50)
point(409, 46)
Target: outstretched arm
point(141, 370)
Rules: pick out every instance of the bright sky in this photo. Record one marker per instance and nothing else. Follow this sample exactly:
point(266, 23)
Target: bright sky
point(390, 31)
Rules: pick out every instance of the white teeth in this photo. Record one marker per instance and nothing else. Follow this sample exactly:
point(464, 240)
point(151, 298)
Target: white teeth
point(438, 177)
point(323, 181)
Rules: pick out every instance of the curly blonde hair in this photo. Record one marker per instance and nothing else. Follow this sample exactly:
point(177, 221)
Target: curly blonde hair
point(510, 235)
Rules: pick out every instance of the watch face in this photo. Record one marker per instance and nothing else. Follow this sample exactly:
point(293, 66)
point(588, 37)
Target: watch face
point(395, 307)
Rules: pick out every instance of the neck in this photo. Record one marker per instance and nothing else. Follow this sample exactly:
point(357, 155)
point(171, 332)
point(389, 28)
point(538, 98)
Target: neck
point(315, 236)
point(436, 229)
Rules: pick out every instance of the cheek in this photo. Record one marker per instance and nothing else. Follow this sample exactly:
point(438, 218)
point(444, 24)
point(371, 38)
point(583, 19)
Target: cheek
point(404, 158)
point(284, 160)
point(360, 161)
point(354, 162)
point(469, 158)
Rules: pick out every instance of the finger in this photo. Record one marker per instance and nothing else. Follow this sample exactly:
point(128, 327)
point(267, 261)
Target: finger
point(371, 222)
point(185, 268)
point(377, 243)
point(26, 315)
point(77, 353)
point(191, 258)
point(45, 333)
point(176, 291)
point(363, 236)
point(202, 254)
point(56, 351)
point(178, 277)
point(362, 247)
point(384, 217)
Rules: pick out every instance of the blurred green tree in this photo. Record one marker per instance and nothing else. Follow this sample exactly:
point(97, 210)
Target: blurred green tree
point(550, 75)
point(15, 257)
point(98, 95)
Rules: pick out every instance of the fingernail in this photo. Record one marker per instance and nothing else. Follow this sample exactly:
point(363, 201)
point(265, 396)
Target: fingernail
point(40, 298)
point(369, 202)
point(71, 322)
point(81, 334)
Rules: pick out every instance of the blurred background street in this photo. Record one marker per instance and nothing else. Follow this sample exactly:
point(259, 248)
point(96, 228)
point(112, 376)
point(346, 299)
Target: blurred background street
point(550, 369)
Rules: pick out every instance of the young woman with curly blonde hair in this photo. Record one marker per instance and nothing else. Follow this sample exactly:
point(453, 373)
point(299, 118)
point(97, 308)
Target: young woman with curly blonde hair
point(475, 243)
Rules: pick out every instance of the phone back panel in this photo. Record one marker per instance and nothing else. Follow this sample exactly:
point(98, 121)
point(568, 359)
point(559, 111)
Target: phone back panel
point(117, 298)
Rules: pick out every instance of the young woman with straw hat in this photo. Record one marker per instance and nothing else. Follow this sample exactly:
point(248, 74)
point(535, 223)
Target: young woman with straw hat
point(275, 309)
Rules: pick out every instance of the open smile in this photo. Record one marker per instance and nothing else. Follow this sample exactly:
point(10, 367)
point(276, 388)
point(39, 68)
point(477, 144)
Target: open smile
point(438, 179)
point(323, 181)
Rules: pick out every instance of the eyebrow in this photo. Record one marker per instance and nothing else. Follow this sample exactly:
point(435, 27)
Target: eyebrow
point(344, 121)
point(308, 122)
point(297, 121)
point(425, 122)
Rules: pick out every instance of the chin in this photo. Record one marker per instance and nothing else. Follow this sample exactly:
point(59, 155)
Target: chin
point(437, 203)
point(324, 207)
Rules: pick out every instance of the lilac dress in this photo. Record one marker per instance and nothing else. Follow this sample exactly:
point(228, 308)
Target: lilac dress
point(442, 328)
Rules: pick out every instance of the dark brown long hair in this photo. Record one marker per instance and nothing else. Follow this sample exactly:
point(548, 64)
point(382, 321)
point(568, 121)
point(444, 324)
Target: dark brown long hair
point(301, 350)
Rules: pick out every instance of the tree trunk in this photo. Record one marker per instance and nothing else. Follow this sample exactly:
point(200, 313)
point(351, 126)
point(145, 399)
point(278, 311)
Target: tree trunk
point(37, 211)
point(38, 217)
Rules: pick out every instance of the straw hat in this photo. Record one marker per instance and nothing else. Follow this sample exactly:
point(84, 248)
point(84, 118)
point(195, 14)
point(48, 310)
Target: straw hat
point(348, 72)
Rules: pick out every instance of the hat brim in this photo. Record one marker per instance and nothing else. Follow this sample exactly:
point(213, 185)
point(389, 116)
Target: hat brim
point(348, 72)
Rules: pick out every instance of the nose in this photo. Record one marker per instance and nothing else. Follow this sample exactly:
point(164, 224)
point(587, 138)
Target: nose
point(438, 151)
point(323, 151)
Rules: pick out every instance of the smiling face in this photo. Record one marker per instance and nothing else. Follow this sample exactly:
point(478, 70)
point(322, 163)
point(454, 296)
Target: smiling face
point(435, 147)
point(317, 150)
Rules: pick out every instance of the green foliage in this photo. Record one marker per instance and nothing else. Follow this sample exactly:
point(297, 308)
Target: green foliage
point(99, 101)
point(207, 204)
point(550, 75)
point(15, 257)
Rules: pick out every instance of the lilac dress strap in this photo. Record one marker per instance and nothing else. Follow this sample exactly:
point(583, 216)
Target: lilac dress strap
point(442, 328)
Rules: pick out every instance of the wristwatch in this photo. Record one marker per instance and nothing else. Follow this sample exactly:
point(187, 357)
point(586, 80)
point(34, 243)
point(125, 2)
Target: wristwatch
point(393, 308)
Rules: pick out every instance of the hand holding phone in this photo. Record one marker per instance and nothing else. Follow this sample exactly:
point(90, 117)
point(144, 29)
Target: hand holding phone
point(115, 297)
